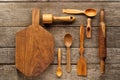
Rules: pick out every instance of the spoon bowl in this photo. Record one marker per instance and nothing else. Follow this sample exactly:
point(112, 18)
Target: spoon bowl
point(90, 12)
point(59, 72)
point(68, 40)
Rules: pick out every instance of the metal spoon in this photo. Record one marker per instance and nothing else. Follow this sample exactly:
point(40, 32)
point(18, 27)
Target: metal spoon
point(59, 69)
point(88, 12)
point(68, 43)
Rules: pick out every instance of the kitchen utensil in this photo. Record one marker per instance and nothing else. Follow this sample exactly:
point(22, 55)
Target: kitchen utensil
point(102, 41)
point(49, 18)
point(59, 68)
point(82, 64)
point(34, 48)
point(68, 43)
point(88, 29)
point(88, 12)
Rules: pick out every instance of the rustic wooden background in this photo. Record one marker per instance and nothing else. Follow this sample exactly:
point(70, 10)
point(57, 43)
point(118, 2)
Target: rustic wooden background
point(16, 15)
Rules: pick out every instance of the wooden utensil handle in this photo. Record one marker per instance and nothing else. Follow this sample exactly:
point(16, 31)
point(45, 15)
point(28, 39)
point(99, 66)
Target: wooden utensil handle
point(81, 52)
point(102, 66)
point(68, 67)
point(102, 41)
point(64, 18)
point(81, 36)
point(59, 57)
point(35, 16)
point(102, 14)
point(102, 45)
point(72, 11)
point(88, 29)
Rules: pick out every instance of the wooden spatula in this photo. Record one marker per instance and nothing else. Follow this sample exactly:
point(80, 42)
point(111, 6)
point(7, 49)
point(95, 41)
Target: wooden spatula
point(82, 64)
point(34, 48)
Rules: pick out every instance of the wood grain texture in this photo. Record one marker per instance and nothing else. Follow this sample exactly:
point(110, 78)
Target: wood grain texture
point(22, 0)
point(57, 0)
point(87, 0)
point(84, 0)
point(7, 36)
point(34, 48)
point(16, 12)
point(102, 41)
point(7, 55)
point(9, 72)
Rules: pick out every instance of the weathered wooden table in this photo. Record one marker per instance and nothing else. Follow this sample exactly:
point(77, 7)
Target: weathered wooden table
point(16, 15)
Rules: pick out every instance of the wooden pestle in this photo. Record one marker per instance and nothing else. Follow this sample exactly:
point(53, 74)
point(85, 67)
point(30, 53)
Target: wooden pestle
point(49, 18)
point(102, 41)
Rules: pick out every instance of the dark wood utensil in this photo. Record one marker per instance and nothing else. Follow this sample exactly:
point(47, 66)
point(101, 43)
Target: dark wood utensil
point(82, 64)
point(34, 48)
point(102, 41)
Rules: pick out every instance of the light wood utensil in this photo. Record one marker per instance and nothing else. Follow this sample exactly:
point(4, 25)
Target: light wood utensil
point(88, 12)
point(59, 68)
point(68, 43)
point(88, 28)
point(82, 64)
point(34, 48)
point(49, 18)
point(102, 41)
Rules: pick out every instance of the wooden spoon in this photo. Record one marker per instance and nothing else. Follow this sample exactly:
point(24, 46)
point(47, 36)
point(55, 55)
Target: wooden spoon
point(88, 12)
point(68, 43)
point(59, 69)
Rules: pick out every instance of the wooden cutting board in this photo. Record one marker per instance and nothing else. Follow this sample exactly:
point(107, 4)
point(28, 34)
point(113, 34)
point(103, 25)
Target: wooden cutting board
point(34, 48)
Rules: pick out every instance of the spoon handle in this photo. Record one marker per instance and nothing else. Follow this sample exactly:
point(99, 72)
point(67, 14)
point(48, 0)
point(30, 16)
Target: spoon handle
point(88, 29)
point(72, 11)
point(59, 57)
point(102, 14)
point(68, 67)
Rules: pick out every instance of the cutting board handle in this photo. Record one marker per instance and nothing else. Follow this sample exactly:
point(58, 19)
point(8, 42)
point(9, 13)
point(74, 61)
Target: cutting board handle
point(35, 16)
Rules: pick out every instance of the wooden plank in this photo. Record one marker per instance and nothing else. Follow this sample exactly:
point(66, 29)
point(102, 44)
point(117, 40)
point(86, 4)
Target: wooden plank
point(7, 36)
point(21, 0)
point(20, 13)
point(85, 0)
point(9, 72)
point(7, 55)
point(57, 0)
point(90, 0)
point(93, 73)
